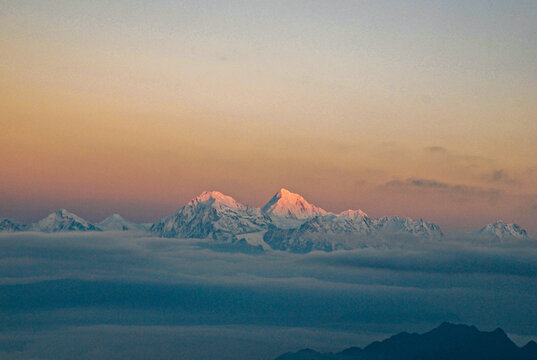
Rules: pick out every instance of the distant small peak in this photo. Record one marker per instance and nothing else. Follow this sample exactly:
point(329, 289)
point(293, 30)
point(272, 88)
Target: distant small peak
point(501, 230)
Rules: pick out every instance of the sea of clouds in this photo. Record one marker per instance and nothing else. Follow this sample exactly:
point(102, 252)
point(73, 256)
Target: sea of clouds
point(127, 295)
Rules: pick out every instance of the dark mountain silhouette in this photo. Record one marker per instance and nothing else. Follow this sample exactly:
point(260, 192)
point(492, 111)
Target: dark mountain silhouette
point(446, 342)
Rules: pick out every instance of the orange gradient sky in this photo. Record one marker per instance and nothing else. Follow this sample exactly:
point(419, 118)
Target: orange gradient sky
point(422, 110)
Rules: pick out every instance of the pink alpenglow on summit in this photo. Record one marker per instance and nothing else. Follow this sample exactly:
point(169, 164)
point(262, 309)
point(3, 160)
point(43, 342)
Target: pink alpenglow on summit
point(216, 198)
point(290, 205)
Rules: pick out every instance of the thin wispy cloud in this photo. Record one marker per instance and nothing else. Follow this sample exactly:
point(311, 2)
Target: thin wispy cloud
point(459, 191)
point(499, 176)
point(436, 149)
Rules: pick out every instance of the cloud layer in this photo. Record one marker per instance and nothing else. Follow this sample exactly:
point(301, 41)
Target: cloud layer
point(129, 287)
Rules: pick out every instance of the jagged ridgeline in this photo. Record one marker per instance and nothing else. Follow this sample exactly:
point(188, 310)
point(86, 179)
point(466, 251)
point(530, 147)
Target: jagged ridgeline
point(446, 342)
point(286, 222)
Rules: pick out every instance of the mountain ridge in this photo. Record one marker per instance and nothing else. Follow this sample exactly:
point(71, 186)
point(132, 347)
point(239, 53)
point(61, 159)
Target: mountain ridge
point(503, 231)
point(447, 341)
point(286, 222)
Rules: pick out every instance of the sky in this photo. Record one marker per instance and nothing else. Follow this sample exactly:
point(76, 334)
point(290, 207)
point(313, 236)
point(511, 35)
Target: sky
point(421, 109)
point(105, 295)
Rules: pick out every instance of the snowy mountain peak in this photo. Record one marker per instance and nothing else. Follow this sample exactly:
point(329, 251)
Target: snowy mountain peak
point(212, 214)
point(116, 222)
point(501, 230)
point(63, 220)
point(290, 205)
point(353, 214)
point(215, 197)
point(285, 193)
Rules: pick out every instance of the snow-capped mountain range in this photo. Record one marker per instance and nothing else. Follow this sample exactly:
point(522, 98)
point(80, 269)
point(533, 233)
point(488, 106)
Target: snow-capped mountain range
point(287, 222)
point(332, 232)
point(65, 221)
